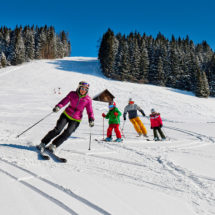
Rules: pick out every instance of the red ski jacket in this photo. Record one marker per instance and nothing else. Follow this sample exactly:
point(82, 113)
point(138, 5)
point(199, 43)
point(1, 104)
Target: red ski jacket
point(155, 120)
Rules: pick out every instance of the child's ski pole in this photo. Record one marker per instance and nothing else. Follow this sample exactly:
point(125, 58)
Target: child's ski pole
point(120, 127)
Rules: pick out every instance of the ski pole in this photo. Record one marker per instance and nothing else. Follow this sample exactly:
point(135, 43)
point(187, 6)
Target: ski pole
point(103, 128)
point(165, 133)
point(120, 127)
point(33, 125)
point(123, 125)
point(90, 140)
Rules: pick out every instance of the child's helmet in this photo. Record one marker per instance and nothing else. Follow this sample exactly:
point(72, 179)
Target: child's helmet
point(112, 104)
point(130, 101)
point(153, 110)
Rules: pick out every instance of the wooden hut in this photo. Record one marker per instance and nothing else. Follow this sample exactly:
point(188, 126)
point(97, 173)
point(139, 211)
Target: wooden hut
point(104, 96)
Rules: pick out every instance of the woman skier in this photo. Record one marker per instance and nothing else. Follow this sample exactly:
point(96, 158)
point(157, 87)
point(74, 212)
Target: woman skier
point(72, 115)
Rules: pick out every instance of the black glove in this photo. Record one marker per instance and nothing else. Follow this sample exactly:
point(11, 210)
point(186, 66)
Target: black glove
point(91, 122)
point(124, 116)
point(142, 113)
point(161, 126)
point(56, 109)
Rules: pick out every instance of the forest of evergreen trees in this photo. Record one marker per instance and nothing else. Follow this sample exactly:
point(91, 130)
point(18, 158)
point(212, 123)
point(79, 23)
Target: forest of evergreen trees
point(176, 63)
point(28, 43)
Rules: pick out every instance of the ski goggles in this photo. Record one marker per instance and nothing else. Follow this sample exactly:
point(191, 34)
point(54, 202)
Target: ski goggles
point(84, 88)
point(84, 84)
point(111, 106)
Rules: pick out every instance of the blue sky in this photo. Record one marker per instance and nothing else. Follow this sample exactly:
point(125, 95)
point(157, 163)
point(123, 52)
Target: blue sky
point(86, 21)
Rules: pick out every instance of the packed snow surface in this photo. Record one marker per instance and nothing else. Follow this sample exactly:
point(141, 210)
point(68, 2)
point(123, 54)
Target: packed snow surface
point(135, 177)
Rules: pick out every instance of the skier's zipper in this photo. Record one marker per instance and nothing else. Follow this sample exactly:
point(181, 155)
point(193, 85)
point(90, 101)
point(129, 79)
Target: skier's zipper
point(79, 98)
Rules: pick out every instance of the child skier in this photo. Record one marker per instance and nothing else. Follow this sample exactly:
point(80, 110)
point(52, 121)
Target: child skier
point(156, 124)
point(131, 109)
point(114, 120)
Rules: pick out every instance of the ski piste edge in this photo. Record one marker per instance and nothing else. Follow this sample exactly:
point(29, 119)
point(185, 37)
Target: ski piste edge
point(56, 157)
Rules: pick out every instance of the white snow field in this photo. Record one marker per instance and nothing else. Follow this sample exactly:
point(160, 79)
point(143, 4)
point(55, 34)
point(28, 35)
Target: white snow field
point(135, 177)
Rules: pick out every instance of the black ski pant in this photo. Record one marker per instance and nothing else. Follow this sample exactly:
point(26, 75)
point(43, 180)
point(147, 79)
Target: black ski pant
point(61, 123)
point(156, 133)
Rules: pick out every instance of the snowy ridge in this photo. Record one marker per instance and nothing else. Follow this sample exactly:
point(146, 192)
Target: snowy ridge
point(134, 177)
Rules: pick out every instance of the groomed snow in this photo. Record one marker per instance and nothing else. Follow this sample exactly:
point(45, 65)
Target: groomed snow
point(136, 177)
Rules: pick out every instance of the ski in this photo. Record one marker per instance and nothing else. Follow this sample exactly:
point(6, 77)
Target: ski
point(56, 157)
point(102, 140)
point(112, 141)
point(42, 154)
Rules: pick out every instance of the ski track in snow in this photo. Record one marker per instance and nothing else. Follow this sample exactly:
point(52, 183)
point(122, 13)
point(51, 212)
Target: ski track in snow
point(45, 193)
point(134, 161)
point(201, 191)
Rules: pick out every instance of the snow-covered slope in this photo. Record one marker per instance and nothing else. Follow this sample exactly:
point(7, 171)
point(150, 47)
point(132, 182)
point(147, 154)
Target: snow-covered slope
point(136, 177)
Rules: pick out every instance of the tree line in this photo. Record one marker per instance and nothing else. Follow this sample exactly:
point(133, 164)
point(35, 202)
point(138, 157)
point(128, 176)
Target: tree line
point(176, 63)
point(28, 43)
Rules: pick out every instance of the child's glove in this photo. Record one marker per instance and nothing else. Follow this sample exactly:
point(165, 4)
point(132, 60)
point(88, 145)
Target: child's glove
point(103, 115)
point(116, 114)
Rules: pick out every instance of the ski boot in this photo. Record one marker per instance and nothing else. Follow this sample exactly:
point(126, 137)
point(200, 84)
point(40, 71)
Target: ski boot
point(41, 147)
point(52, 148)
point(118, 140)
point(139, 134)
point(108, 139)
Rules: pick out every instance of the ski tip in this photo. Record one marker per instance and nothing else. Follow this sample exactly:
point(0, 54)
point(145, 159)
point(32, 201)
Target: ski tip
point(46, 158)
point(63, 160)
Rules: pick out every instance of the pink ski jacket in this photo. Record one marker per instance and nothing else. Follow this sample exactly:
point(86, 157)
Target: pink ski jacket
point(76, 107)
point(155, 120)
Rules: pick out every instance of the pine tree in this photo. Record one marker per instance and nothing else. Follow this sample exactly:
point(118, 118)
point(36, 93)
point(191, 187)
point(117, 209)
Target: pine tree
point(211, 75)
point(29, 42)
point(157, 61)
point(144, 65)
point(202, 87)
point(52, 44)
point(160, 72)
point(125, 68)
point(106, 53)
point(41, 46)
point(16, 47)
point(3, 60)
point(134, 58)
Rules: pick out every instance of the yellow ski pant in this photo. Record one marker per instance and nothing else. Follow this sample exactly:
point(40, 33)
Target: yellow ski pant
point(138, 125)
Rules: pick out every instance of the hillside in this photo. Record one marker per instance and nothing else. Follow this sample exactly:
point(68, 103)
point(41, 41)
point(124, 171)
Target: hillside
point(136, 177)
